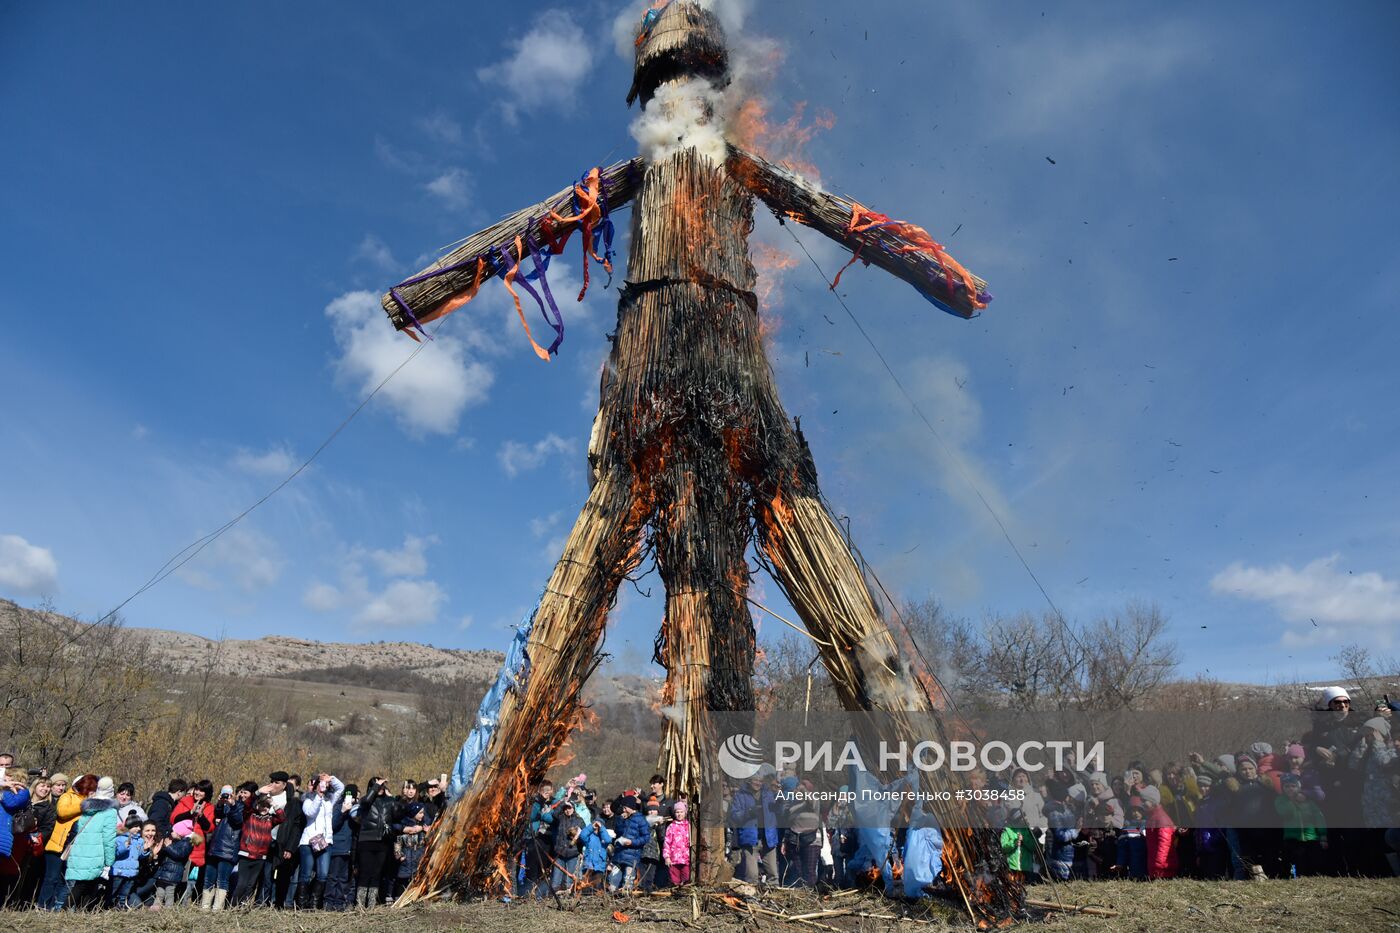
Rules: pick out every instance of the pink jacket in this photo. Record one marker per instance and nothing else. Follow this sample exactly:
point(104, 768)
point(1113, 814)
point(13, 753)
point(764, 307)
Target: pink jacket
point(676, 847)
point(1161, 844)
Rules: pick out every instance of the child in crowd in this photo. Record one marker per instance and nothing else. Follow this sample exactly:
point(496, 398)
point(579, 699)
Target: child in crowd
point(596, 837)
point(131, 847)
point(676, 847)
point(253, 844)
point(174, 861)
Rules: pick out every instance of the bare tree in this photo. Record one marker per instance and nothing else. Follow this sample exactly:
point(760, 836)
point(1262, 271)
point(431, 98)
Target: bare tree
point(69, 685)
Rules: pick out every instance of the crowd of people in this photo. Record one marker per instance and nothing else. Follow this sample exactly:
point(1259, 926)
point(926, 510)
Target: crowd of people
point(87, 843)
point(1323, 803)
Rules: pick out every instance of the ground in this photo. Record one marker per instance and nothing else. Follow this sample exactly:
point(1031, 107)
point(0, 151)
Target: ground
point(1316, 905)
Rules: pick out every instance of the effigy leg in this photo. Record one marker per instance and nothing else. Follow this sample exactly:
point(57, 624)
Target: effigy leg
point(875, 668)
point(707, 638)
point(472, 843)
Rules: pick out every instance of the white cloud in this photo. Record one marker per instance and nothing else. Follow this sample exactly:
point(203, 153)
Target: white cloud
point(1065, 78)
point(322, 597)
point(944, 390)
point(399, 600)
point(452, 188)
point(427, 396)
point(140, 432)
point(408, 561)
point(517, 458)
point(442, 128)
point(277, 461)
point(541, 526)
point(1321, 593)
point(246, 557)
point(376, 252)
point(403, 603)
point(546, 66)
point(466, 622)
point(26, 569)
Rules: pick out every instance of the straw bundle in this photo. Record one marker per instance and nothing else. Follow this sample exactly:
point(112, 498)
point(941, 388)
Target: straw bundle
point(618, 184)
point(692, 444)
point(792, 197)
point(476, 835)
point(814, 566)
point(684, 41)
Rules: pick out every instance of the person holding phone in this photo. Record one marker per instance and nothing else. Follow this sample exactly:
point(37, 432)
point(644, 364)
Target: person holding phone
point(318, 807)
point(375, 816)
point(14, 797)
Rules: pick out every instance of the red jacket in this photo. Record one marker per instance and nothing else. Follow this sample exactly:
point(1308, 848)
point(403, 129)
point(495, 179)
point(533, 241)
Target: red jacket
point(257, 834)
point(1161, 844)
point(203, 823)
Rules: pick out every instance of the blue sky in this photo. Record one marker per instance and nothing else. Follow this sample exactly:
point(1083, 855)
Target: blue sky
point(1184, 391)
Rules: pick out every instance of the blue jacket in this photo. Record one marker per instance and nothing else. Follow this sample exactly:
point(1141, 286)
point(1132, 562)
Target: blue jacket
point(744, 812)
point(11, 802)
point(93, 845)
point(595, 846)
point(343, 827)
point(173, 857)
point(224, 844)
point(541, 819)
point(637, 832)
point(129, 851)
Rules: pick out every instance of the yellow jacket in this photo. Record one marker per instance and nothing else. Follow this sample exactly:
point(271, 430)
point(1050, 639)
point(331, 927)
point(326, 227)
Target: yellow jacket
point(68, 809)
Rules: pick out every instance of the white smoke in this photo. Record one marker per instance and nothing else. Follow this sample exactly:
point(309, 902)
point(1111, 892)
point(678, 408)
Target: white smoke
point(680, 116)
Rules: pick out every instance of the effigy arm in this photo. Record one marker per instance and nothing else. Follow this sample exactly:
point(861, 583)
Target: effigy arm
point(439, 288)
point(900, 248)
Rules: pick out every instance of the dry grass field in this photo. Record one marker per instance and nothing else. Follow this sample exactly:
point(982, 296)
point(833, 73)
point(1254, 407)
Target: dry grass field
point(1317, 905)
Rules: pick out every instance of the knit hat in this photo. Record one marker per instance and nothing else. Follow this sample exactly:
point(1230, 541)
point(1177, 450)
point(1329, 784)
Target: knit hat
point(1241, 759)
point(630, 803)
point(1077, 792)
point(1151, 795)
point(1334, 693)
point(1260, 749)
point(1098, 777)
point(1226, 761)
point(1297, 751)
point(1380, 725)
point(106, 790)
point(182, 829)
point(1288, 780)
point(226, 790)
point(1204, 780)
point(58, 777)
point(680, 809)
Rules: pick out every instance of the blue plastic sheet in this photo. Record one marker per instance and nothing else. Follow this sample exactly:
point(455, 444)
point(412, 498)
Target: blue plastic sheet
point(515, 671)
point(923, 854)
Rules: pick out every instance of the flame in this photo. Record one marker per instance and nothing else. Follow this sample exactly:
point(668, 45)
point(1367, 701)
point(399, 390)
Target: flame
point(782, 143)
point(771, 263)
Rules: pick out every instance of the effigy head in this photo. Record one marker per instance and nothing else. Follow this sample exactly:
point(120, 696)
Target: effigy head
point(675, 40)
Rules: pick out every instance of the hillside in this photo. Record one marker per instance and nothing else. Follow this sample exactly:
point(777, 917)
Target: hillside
point(282, 655)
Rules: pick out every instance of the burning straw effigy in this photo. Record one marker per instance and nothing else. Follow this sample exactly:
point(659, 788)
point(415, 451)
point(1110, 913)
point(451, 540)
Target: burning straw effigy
point(691, 458)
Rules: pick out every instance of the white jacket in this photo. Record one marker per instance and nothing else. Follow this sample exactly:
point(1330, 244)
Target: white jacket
point(319, 811)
